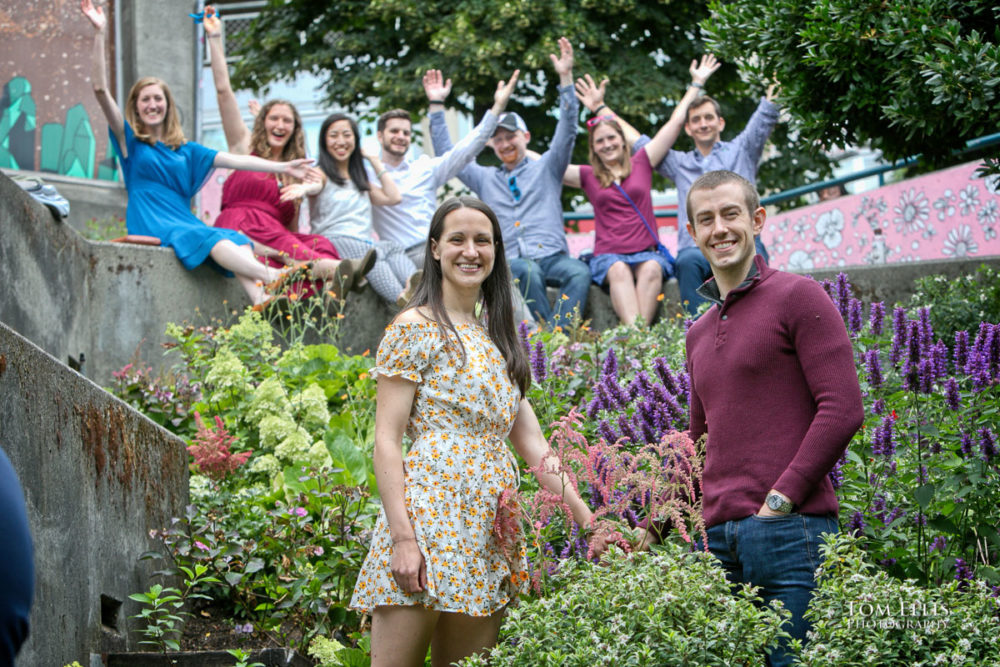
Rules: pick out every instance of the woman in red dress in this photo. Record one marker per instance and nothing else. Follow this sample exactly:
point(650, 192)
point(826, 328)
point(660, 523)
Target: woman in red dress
point(264, 207)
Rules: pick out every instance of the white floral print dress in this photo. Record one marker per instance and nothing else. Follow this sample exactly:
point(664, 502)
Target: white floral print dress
point(454, 473)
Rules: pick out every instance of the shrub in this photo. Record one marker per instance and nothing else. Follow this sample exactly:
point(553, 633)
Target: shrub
point(862, 616)
point(959, 304)
point(667, 607)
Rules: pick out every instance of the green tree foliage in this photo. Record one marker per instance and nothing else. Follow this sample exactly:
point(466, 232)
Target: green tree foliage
point(909, 77)
point(377, 50)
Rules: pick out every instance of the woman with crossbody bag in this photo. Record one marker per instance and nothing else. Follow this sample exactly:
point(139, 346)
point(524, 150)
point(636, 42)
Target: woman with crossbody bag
point(628, 256)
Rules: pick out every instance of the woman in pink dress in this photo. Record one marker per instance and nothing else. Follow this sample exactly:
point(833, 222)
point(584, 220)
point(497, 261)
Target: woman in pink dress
point(627, 258)
point(264, 207)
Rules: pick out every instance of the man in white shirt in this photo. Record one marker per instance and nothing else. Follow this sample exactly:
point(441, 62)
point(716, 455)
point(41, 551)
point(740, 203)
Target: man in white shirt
point(418, 179)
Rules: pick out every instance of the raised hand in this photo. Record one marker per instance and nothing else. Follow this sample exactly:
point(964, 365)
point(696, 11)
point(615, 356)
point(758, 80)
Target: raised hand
point(701, 71)
point(294, 191)
point(213, 26)
point(298, 168)
point(314, 175)
point(564, 63)
point(590, 94)
point(95, 14)
point(504, 90)
point(435, 86)
point(253, 106)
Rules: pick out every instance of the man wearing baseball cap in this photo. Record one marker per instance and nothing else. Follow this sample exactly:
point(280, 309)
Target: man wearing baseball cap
point(526, 196)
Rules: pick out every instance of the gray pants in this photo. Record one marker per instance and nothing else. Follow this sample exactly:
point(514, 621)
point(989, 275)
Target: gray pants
point(392, 266)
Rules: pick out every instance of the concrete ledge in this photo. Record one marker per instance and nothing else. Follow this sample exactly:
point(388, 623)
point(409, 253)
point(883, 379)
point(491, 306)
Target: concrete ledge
point(892, 283)
point(97, 477)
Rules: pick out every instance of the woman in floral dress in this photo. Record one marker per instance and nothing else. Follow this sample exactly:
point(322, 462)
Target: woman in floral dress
point(451, 375)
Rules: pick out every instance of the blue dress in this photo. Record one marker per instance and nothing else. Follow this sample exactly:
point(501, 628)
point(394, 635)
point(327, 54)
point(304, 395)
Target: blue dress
point(160, 183)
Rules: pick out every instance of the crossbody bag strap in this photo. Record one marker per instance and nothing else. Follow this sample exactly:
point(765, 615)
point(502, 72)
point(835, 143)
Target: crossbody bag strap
point(649, 228)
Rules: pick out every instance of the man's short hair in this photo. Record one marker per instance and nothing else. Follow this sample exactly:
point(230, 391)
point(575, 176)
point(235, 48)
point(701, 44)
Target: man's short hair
point(384, 119)
point(700, 102)
point(714, 179)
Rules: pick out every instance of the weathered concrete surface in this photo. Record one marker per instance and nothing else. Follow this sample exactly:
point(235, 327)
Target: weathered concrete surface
point(894, 283)
point(97, 477)
point(89, 199)
point(105, 300)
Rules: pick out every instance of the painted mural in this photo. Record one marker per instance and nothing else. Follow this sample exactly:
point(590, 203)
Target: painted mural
point(47, 107)
point(946, 214)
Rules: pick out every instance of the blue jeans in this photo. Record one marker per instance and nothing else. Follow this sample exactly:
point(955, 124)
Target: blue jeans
point(778, 554)
point(692, 270)
point(570, 276)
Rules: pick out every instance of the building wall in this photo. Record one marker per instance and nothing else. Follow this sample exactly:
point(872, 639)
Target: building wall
point(49, 118)
point(97, 477)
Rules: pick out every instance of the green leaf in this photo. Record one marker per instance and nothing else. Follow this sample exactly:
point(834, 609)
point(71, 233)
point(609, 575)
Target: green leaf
point(924, 494)
point(346, 456)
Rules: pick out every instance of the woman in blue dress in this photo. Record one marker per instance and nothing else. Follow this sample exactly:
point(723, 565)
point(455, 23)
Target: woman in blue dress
point(163, 170)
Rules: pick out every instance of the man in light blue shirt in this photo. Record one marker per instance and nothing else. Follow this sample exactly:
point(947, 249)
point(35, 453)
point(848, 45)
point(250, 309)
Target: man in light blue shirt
point(418, 179)
point(704, 125)
point(526, 196)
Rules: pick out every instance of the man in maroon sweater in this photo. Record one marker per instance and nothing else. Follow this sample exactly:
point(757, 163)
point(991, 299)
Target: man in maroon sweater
point(774, 387)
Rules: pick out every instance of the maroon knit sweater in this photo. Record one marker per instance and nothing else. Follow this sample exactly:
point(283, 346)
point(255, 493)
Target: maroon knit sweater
point(773, 382)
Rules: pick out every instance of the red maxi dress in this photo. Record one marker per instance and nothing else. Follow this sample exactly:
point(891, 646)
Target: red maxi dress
point(251, 203)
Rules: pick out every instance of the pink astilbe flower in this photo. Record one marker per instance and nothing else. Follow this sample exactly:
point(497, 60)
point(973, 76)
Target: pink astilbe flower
point(508, 530)
point(657, 483)
point(210, 450)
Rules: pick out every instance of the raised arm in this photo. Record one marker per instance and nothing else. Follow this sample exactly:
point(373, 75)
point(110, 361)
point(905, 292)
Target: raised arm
point(663, 141)
point(99, 75)
point(591, 96)
point(563, 63)
point(237, 132)
point(457, 160)
point(560, 150)
point(572, 176)
point(386, 193)
point(294, 168)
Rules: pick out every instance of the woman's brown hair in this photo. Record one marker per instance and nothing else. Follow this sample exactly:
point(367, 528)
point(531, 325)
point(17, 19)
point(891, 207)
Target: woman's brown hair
point(173, 135)
point(603, 174)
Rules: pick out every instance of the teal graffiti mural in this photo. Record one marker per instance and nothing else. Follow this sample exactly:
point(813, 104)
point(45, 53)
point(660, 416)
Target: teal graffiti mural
point(17, 125)
point(67, 148)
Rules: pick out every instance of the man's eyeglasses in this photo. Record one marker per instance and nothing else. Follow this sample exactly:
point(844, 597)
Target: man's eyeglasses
point(598, 119)
point(514, 190)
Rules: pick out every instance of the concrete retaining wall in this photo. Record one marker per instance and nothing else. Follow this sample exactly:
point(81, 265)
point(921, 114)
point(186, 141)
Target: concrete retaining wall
point(97, 477)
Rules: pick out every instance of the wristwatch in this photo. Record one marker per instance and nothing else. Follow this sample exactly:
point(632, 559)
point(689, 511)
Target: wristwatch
point(779, 504)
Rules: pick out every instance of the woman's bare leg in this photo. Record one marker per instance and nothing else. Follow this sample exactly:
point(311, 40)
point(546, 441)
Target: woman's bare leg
point(254, 289)
point(621, 285)
point(648, 287)
point(401, 635)
point(458, 636)
point(240, 260)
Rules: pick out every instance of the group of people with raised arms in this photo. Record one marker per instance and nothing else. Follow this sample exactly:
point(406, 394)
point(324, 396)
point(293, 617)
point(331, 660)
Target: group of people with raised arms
point(451, 373)
point(351, 194)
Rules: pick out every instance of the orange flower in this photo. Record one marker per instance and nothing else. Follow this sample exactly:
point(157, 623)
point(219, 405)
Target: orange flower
point(659, 297)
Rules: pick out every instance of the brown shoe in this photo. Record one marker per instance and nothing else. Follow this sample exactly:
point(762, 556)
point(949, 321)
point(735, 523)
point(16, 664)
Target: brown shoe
point(361, 268)
point(411, 288)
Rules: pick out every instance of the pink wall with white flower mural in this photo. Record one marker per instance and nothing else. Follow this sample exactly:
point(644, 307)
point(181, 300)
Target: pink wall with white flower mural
point(942, 215)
